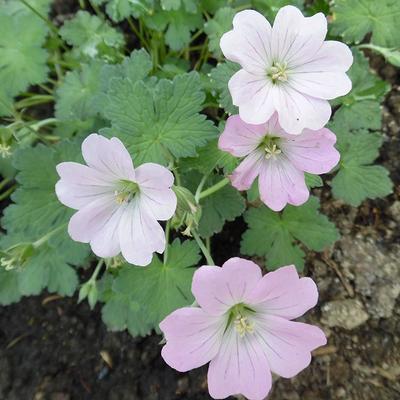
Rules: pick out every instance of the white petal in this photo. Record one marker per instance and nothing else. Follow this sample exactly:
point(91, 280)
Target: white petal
point(154, 176)
point(108, 156)
point(161, 204)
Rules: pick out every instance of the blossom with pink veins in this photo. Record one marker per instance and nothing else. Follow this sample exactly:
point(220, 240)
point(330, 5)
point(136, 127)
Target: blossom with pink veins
point(278, 159)
point(243, 328)
point(288, 68)
point(118, 205)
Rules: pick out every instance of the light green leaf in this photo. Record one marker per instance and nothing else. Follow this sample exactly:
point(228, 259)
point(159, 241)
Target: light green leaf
point(313, 181)
point(224, 205)
point(189, 5)
point(157, 122)
point(13, 7)
point(216, 27)
point(274, 236)
point(89, 35)
point(219, 79)
point(9, 290)
point(118, 10)
point(353, 19)
point(391, 55)
point(162, 288)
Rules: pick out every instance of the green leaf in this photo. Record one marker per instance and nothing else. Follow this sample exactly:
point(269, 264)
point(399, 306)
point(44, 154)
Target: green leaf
point(271, 7)
point(189, 5)
point(391, 55)
point(6, 104)
point(177, 24)
point(157, 122)
point(357, 179)
point(162, 288)
point(9, 290)
point(219, 80)
point(90, 35)
point(366, 84)
point(224, 205)
point(23, 60)
point(121, 311)
point(313, 181)
point(274, 236)
point(216, 27)
point(35, 200)
point(118, 10)
point(353, 19)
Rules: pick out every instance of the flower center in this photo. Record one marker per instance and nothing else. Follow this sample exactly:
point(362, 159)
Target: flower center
point(125, 191)
point(239, 315)
point(277, 72)
point(270, 144)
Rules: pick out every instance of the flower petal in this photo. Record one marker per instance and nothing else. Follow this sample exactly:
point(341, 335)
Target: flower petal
point(108, 156)
point(193, 338)
point(239, 138)
point(154, 176)
point(217, 289)
point(89, 220)
point(249, 42)
point(243, 176)
point(281, 183)
point(140, 235)
point(79, 184)
point(283, 294)
point(161, 204)
point(287, 344)
point(298, 111)
point(240, 367)
point(312, 151)
point(295, 38)
point(254, 96)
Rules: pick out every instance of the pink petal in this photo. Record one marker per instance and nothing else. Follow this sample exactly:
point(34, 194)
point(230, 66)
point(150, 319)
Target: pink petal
point(248, 170)
point(240, 367)
point(312, 151)
point(239, 138)
point(287, 344)
point(154, 176)
point(249, 42)
point(140, 235)
point(283, 294)
point(295, 38)
point(217, 289)
point(89, 220)
point(331, 57)
point(254, 96)
point(108, 156)
point(79, 185)
point(281, 183)
point(193, 338)
point(323, 84)
point(297, 111)
point(161, 204)
point(105, 242)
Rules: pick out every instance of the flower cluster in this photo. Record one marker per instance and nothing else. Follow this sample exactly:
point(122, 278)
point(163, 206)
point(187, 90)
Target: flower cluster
point(242, 322)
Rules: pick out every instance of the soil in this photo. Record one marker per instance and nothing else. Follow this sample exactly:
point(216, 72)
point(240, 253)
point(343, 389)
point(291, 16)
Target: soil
point(53, 349)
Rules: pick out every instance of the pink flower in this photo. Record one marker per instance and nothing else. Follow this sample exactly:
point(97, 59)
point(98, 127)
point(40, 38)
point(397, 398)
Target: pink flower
point(243, 328)
point(288, 68)
point(118, 205)
point(277, 158)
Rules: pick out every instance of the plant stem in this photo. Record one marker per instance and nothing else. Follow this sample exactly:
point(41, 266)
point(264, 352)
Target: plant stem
point(167, 231)
point(214, 188)
point(203, 248)
point(200, 188)
point(5, 194)
point(47, 236)
point(96, 270)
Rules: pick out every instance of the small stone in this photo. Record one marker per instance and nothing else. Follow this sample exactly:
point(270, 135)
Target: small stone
point(347, 314)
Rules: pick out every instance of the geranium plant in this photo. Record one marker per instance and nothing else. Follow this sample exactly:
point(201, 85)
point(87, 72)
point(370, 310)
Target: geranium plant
point(132, 131)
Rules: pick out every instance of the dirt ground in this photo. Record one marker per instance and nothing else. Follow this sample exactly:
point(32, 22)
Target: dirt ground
point(53, 349)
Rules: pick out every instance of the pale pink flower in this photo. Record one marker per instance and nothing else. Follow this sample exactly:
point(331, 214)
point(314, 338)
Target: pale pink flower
point(243, 328)
point(278, 159)
point(118, 205)
point(288, 68)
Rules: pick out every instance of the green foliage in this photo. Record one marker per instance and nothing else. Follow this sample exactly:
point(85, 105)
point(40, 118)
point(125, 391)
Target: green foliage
point(161, 288)
point(23, 60)
point(224, 205)
point(353, 19)
point(271, 7)
point(275, 235)
point(37, 215)
point(391, 55)
point(158, 122)
point(118, 10)
point(216, 27)
point(219, 80)
point(90, 36)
